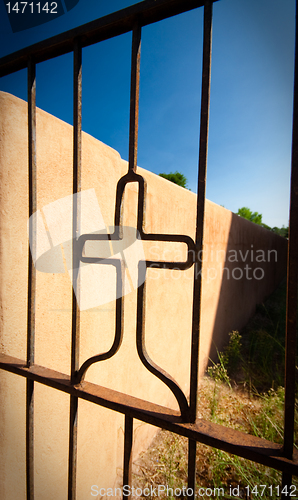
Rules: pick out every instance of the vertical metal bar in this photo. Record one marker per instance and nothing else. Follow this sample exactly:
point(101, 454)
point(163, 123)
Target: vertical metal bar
point(75, 342)
point(127, 460)
point(286, 483)
point(292, 283)
point(30, 439)
point(132, 166)
point(205, 100)
point(31, 278)
point(77, 173)
point(134, 97)
point(73, 439)
point(32, 208)
point(192, 453)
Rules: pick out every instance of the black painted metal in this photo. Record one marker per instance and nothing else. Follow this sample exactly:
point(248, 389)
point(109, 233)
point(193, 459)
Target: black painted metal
point(192, 455)
point(31, 277)
point(75, 337)
point(134, 97)
point(123, 21)
point(224, 438)
point(292, 280)
point(197, 292)
point(77, 173)
point(132, 176)
point(127, 458)
point(119, 265)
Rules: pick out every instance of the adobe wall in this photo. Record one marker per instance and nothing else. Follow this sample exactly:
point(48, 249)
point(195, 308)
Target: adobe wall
point(243, 263)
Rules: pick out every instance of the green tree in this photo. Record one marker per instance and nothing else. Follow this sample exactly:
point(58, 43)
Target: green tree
point(255, 217)
point(246, 213)
point(282, 231)
point(176, 177)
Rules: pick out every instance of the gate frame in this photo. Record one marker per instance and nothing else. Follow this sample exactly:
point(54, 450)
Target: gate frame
point(283, 458)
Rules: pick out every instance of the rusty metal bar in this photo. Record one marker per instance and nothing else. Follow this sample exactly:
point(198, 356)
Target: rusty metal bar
point(132, 176)
point(31, 277)
point(285, 485)
point(118, 23)
point(134, 97)
point(197, 292)
point(73, 442)
point(191, 476)
point(215, 435)
point(292, 283)
point(77, 173)
point(32, 209)
point(127, 459)
point(30, 439)
point(120, 278)
point(75, 342)
point(147, 361)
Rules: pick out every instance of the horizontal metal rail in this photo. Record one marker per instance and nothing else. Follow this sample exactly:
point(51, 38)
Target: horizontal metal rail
point(118, 23)
point(211, 434)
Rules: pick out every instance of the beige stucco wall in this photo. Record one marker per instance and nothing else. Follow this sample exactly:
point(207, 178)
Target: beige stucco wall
point(227, 304)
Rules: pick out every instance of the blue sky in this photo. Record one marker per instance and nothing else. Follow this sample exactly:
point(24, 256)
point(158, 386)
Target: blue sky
point(251, 95)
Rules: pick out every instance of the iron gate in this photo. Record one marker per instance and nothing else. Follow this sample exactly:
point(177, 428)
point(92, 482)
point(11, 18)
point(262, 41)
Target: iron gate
point(184, 423)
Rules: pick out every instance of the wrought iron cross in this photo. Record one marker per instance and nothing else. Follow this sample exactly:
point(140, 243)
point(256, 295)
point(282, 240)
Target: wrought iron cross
point(117, 235)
